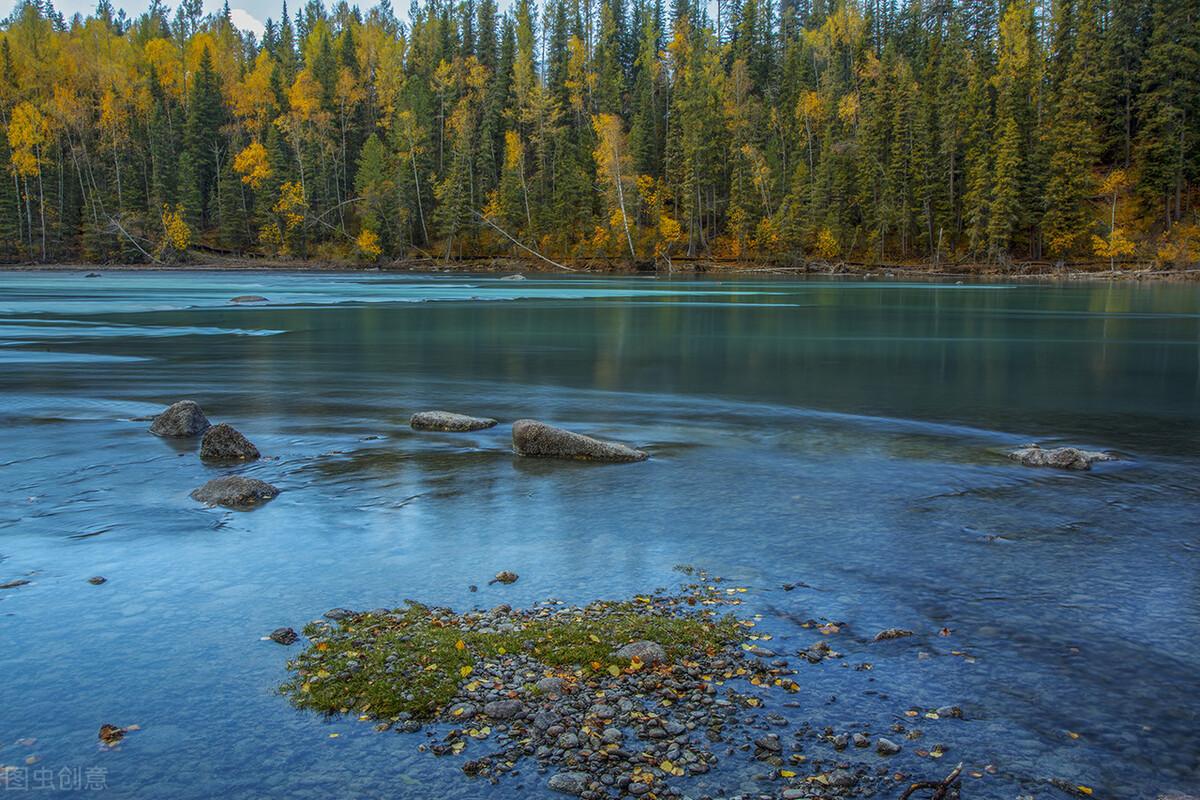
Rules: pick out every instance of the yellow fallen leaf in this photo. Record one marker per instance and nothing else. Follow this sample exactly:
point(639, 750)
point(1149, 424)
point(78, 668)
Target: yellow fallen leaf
point(614, 670)
point(460, 645)
point(787, 773)
point(464, 671)
point(1073, 734)
point(1085, 790)
point(594, 638)
point(334, 735)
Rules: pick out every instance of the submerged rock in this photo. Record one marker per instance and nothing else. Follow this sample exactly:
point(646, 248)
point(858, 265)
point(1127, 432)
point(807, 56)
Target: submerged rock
point(14, 584)
point(649, 653)
point(224, 443)
point(449, 421)
point(249, 298)
point(236, 492)
point(181, 420)
point(537, 439)
point(97, 580)
point(1059, 457)
point(892, 633)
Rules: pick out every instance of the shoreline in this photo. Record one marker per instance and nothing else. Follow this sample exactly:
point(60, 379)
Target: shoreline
point(696, 268)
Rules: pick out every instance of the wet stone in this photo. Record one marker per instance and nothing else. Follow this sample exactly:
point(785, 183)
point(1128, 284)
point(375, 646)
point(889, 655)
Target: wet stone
point(236, 492)
point(284, 636)
point(224, 443)
point(181, 420)
point(886, 747)
point(449, 422)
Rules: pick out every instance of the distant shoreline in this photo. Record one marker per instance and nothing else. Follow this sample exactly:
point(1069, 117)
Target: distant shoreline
point(698, 267)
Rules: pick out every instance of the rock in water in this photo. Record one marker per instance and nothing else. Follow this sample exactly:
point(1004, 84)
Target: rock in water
point(513, 278)
point(283, 636)
point(448, 421)
point(537, 439)
point(236, 492)
point(224, 443)
point(181, 419)
point(111, 734)
point(649, 653)
point(97, 580)
point(249, 298)
point(892, 633)
point(886, 747)
point(1060, 457)
point(504, 577)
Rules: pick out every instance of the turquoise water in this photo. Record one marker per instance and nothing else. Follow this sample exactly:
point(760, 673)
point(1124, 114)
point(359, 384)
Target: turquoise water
point(845, 434)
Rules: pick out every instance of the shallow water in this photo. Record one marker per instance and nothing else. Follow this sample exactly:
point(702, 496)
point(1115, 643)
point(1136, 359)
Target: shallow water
point(845, 434)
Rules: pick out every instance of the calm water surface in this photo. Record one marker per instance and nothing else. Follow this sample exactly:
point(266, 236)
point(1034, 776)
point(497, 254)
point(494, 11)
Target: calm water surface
point(844, 434)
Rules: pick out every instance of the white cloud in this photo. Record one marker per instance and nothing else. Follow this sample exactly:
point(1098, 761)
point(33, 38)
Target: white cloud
point(245, 21)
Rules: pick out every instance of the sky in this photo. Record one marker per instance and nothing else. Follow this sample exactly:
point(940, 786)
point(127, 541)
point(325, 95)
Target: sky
point(248, 15)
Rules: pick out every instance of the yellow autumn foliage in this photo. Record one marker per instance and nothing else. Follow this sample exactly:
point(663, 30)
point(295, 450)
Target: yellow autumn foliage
point(252, 164)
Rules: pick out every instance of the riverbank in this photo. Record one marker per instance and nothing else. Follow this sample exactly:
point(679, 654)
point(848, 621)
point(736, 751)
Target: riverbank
point(699, 266)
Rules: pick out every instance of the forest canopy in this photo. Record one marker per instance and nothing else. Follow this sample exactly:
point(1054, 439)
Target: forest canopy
point(778, 130)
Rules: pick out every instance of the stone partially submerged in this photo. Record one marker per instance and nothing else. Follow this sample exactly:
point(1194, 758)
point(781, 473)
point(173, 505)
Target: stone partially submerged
point(236, 492)
point(539, 440)
point(449, 421)
point(1034, 455)
point(181, 420)
point(224, 443)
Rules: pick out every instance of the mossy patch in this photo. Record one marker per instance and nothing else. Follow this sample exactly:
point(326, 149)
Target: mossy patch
point(412, 661)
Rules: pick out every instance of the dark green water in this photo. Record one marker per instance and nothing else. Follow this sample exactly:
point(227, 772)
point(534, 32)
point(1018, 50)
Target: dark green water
point(849, 435)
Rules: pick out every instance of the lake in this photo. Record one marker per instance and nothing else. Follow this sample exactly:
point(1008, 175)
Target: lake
point(848, 435)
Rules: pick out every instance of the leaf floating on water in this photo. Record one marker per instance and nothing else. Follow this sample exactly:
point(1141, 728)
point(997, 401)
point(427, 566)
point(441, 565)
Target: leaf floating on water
point(111, 734)
point(1073, 734)
point(787, 773)
point(1085, 790)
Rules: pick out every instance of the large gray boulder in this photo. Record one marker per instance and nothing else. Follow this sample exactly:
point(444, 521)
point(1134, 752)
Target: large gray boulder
point(182, 419)
point(449, 421)
point(236, 492)
point(537, 439)
point(1033, 455)
point(224, 443)
point(649, 653)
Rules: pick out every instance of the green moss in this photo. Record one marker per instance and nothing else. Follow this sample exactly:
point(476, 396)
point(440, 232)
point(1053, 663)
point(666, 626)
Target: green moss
point(411, 659)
